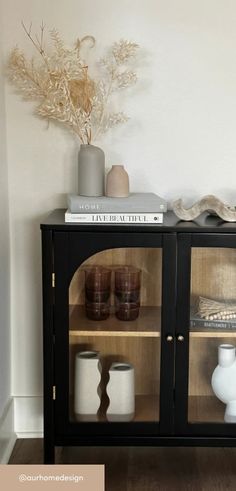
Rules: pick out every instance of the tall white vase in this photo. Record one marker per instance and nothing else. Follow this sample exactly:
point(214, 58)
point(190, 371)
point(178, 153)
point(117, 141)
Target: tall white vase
point(121, 392)
point(224, 380)
point(87, 390)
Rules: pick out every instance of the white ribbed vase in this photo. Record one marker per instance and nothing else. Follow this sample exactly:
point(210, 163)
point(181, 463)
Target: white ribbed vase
point(224, 380)
point(121, 392)
point(87, 379)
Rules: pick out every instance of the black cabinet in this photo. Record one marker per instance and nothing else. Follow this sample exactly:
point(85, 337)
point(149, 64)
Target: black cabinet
point(173, 360)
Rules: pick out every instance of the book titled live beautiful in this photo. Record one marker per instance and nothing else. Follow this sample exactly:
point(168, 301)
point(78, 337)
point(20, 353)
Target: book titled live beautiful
point(134, 203)
point(113, 218)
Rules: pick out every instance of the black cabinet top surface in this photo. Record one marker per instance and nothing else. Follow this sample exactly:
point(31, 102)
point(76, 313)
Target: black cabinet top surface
point(204, 224)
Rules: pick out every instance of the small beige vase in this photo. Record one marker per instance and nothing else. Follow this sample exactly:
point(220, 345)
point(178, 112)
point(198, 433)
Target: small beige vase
point(117, 185)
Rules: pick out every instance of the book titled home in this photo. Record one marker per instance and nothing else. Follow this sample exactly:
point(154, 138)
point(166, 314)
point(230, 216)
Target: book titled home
point(134, 203)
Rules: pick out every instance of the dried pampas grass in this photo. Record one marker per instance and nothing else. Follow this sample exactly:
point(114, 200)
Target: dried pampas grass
point(59, 81)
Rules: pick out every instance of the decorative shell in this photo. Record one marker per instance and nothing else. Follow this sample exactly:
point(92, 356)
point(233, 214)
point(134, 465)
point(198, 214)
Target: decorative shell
point(209, 203)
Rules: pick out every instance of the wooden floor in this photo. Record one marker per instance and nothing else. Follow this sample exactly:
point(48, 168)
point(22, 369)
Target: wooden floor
point(146, 469)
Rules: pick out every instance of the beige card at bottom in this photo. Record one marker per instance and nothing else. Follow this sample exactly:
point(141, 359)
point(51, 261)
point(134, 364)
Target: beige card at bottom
point(52, 477)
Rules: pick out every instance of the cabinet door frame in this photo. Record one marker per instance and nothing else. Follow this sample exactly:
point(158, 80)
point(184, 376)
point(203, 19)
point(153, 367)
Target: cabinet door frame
point(187, 241)
point(48, 347)
point(70, 251)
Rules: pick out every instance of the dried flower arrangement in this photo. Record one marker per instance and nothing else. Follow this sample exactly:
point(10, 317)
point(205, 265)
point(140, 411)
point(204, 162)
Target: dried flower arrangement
point(61, 83)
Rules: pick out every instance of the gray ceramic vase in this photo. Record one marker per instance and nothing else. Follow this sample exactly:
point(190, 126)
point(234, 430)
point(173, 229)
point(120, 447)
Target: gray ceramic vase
point(91, 171)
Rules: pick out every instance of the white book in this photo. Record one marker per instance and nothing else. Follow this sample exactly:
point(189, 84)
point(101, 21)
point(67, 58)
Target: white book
point(113, 218)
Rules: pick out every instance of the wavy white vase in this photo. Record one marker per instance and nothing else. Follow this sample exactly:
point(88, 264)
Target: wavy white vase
point(87, 391)
point(224, 380)
point(121, 392)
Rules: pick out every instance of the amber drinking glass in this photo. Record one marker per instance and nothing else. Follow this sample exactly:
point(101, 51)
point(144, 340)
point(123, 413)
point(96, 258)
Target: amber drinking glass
point(97, 292)
point(127, 292)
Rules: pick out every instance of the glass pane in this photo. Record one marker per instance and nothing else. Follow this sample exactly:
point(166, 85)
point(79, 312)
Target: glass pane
point(212, 336)
point(114, 336)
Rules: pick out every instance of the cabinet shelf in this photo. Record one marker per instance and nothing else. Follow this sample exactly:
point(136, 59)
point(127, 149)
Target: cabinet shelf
point(148, 324)
point(205, 409)
point(213, 334)
point(146, 409)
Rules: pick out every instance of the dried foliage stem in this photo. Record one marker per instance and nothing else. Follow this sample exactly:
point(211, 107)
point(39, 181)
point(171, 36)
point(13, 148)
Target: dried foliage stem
point(39, 44)
point(62, 85)
point(77, 128)
point(100, 122)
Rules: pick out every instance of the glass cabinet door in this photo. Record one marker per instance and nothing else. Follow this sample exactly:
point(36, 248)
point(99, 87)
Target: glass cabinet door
point(114, 336)
point(210, 338)
point(212, 333)
point(109, 332)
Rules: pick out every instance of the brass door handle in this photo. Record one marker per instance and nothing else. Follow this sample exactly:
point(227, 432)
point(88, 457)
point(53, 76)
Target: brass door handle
point(180, 338)
point(169, 338)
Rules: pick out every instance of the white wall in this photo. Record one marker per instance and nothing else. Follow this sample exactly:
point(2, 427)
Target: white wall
point(180, 140)
point(7, 435)
point(4, 256)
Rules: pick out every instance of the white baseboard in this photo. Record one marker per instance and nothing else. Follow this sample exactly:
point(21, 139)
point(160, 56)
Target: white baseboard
point(28, 416)
point(22, 418)
point(29, 434)
point(7, 433)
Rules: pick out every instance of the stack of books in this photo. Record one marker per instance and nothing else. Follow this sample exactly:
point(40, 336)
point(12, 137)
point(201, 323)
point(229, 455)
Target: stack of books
point(137, 208)
point(197, 323)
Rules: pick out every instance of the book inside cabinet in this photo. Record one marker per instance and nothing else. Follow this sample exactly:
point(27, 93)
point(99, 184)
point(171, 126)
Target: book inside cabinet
point(119, 337)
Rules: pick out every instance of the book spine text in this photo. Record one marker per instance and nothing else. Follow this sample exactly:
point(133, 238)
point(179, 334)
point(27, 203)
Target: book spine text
point(138, 218)
point(212, 324)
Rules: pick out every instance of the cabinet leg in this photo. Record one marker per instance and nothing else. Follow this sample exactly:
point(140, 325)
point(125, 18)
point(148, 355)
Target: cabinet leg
point(49, 453)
